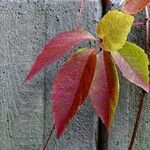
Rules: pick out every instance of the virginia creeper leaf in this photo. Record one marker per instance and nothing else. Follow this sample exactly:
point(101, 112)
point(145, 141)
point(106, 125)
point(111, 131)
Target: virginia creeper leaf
point(133, 63)
point(134, 6)
point(56, 47)
point(104, 91)
point(71, 87)
point(113, 29)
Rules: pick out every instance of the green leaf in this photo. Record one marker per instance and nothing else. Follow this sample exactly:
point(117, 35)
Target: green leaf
point(133, 63)
point(113, 29)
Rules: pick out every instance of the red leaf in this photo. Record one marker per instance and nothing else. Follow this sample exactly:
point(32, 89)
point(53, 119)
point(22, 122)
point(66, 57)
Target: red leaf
point(133, 6)
point(71, 87)
point(56, 47)
point(105, 88)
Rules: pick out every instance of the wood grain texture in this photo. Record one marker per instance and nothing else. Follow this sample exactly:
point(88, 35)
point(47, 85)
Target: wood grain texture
point(80, 134)
point(25, 111)
point(21, 107)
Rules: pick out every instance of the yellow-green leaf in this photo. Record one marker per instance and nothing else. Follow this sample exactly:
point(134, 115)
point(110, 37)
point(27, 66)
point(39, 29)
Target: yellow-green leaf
point(113, 29)
point(133, 63)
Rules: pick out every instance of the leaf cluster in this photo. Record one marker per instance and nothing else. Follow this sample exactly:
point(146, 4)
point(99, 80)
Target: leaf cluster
point(88, 72)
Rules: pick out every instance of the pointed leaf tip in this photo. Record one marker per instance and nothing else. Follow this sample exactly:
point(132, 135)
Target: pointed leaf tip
point(133, 63)
point(56, 47)
point(71, 87)
point(104, 91)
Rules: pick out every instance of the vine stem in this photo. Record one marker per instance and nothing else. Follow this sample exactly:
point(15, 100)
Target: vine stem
point(136, 125)
point(78, 18)
point(139, 24)
point(101, 133)
point(49, 136)
point(137, 120)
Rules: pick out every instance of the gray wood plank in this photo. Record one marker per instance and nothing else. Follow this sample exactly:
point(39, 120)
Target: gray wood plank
point(25, 116)
point(22, 33)
point(80, 133)
point(25, 111)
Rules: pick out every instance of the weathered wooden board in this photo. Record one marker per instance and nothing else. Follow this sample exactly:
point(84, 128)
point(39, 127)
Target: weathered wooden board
point(60, 16)
point(25, 111)
point(22, 32)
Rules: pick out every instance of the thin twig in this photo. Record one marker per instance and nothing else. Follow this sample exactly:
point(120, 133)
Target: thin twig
point(139, 24)
point(78, 18)
point(147, 19)
point(137, 120)
point(102, 136)
point(48, 137)
point(147, 34)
